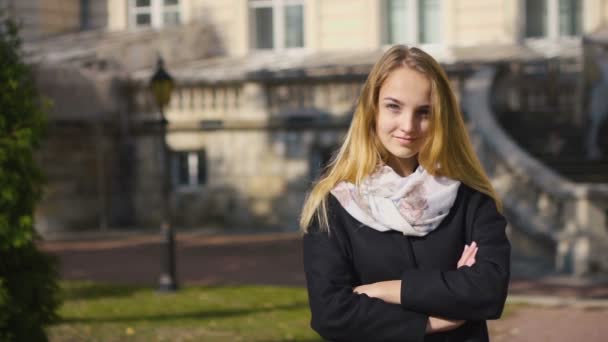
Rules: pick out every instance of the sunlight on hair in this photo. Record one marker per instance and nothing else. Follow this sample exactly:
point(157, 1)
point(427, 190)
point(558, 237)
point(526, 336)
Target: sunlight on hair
point(447, 151)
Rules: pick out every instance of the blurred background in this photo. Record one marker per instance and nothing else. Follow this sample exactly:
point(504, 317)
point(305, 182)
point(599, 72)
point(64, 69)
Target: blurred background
point(212, 118)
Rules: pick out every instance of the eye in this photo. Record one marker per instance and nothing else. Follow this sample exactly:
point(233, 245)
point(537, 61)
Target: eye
point(424, 112)
point(392, 107)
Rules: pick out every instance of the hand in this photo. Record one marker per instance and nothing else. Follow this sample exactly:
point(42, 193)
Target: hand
point(436, 324)
point(371, 290)
point(468, 255)
point(388, 291)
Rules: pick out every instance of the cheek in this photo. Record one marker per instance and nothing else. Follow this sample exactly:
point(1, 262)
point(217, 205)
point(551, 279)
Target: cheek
point(383, 124)
point(425, 127)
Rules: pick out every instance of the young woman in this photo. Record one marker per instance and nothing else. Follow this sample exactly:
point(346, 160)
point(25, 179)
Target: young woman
point(404, 239)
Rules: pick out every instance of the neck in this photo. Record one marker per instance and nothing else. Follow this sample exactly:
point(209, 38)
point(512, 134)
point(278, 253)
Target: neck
point(404, 166)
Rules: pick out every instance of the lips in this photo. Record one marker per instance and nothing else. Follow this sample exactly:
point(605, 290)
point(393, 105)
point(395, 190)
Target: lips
point(405, 140)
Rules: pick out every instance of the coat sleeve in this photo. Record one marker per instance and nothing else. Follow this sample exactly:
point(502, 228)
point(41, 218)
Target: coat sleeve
point(468, 293)
point(338, 313)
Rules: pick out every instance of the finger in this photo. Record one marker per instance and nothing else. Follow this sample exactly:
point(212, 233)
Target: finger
point(467, 253)
point(468, 258)
point(462, 262)
point(362, 289)
point(474, 254)
point(472, 249)
point(471, 262)
point(463, 257)
point(472, 259)
point(464, 252)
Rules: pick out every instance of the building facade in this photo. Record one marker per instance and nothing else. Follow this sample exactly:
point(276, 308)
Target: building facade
point(265, 91)
point(246, 26)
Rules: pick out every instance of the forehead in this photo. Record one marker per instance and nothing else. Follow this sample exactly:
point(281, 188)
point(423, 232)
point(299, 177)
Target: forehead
point(406, 85)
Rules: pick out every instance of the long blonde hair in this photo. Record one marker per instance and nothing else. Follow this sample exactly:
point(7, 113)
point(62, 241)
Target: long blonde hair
point(447, 146)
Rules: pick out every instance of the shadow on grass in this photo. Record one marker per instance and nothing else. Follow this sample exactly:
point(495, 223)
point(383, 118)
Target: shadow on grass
point(203, 315)
point(92, 290)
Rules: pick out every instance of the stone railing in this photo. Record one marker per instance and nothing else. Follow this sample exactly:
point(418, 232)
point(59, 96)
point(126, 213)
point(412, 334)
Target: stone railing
point(196, 102)
point(572, 217)
point(545, 86)
point(242, 100)
point(334, 97)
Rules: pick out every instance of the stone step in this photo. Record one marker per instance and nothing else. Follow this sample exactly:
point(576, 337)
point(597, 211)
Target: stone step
point(560, 147)
point(578, 169)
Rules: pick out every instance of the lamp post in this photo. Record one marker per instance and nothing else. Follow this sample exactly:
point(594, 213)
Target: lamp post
point(161, 86)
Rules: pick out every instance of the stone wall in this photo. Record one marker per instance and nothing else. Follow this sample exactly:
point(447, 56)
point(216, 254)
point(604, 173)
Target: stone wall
point(257, 178)
point(76, 161)
point(500, 20)
point(128, 51)
point(100, 171)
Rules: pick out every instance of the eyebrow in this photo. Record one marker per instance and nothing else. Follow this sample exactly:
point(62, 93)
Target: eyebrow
point(393, 99)
point(426, 105)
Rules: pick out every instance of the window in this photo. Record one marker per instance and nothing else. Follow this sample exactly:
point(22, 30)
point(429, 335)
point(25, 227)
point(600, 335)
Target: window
point(412, 21)
point(570, 17)
point(429, 21)
point(276, 24)
point(396, 14)
point(191, 168)
point(553, 18)
point(85, 14)
point(141, 13)
point(536, 18)
point(154, 13)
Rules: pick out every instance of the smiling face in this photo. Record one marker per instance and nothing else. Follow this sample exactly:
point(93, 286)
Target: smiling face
point(404, 117)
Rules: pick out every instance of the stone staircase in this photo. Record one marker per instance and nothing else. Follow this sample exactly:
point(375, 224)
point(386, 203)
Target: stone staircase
point(556, 225)
point(537, 103)
point(561, 147)
point(577, 170)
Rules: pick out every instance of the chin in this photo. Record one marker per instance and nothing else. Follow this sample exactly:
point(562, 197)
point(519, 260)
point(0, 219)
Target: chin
point(403, 153)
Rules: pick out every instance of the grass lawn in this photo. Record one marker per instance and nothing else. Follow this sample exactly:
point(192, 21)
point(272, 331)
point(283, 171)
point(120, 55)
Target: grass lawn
point(103, 312)
point(108, 312)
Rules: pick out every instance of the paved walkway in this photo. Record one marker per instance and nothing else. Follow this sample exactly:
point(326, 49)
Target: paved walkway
point(558, 308)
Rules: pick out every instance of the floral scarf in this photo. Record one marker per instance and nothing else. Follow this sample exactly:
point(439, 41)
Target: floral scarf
point(414, 205)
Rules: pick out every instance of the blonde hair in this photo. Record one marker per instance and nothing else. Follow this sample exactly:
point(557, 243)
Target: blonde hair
point(447, 150)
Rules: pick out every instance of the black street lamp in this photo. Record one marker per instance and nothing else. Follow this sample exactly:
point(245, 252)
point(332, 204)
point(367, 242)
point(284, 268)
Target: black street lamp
point(161, 86)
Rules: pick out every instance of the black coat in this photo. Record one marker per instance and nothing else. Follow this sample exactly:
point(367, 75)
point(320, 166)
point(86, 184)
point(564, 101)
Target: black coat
point(353, 254)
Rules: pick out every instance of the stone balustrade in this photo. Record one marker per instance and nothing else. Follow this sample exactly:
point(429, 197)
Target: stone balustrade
point(570, 217)
point(200, 102)
point(333, 98)
point(250, 101)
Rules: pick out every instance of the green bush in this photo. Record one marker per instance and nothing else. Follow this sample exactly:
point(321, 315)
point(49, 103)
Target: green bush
point(28, 278)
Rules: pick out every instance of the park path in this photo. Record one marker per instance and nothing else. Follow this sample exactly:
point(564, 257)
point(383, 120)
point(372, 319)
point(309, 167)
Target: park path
point(275, 259)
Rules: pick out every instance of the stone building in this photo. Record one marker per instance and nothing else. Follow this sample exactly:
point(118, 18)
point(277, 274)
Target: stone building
point(265, 91)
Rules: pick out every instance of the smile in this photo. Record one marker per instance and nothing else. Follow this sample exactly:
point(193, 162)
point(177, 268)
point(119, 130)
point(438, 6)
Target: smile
point(405, 140)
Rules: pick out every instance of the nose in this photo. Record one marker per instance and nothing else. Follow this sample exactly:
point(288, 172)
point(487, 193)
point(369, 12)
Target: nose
point(408, 121)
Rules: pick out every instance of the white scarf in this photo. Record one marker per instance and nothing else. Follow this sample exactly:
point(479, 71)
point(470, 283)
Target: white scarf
point(413, 205)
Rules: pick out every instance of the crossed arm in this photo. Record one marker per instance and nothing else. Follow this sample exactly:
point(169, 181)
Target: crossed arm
point(423, 301)
point(390, 292)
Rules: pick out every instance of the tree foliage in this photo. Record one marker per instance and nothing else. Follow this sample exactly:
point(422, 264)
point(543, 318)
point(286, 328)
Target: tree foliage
point(28, 278)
